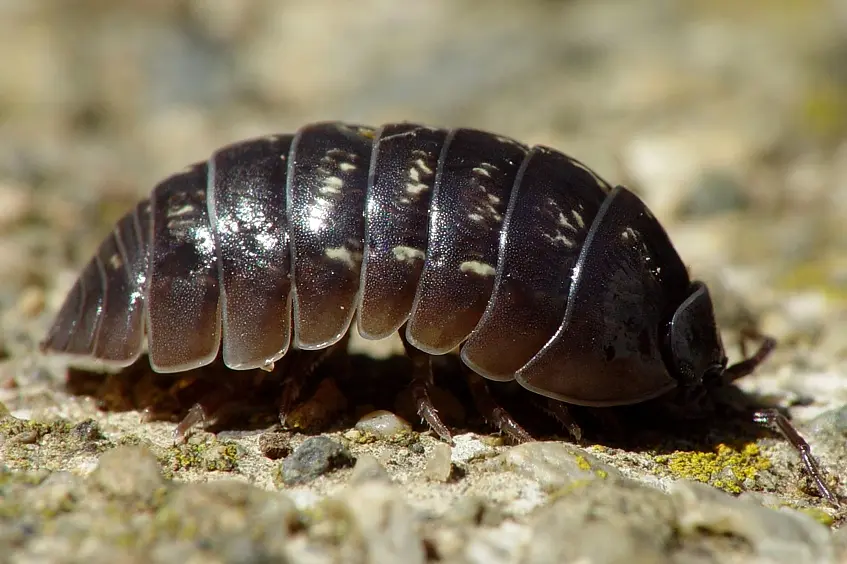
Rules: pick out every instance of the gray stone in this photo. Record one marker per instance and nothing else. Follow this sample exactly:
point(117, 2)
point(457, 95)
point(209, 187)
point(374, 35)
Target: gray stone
point(368, 468)
point(222, 512)
point(775, 536)
point(87, 431)
point(555, 465)
point(130, 471)
point(382, 524)
point(314, 457)
point(603, 523)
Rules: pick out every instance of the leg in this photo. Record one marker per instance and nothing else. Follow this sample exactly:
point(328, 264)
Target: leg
point(559, 411)
point(208, 406)
point(776, 420)
point(196, 416)
point(421, 385)
point(748, 365)
point(492, 411)
point(223, 400)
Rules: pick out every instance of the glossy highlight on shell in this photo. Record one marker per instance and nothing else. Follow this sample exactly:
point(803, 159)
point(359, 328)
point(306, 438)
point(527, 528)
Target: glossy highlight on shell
point(520, 257)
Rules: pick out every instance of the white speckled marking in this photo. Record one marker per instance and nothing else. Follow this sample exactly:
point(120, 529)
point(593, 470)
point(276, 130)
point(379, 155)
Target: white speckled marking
point(482, 171)
point(563, 222)
point(344, 255)
point(559, 238)
point(407, 254)
point(477, 267)
point(421, 165)
point(115, 261)
point(416, 189)
point(180, 211)
point(578, 217)
point(332, 185)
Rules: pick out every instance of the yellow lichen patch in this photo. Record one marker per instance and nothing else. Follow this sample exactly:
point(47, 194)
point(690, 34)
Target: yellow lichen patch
point(818, 515)
point(726, 467)
point(582, 463)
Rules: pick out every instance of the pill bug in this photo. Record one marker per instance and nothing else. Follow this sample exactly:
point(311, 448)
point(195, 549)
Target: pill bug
point(530, 263)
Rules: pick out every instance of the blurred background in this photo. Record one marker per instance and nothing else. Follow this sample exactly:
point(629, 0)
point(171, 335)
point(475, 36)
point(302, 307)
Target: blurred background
point(728, 117)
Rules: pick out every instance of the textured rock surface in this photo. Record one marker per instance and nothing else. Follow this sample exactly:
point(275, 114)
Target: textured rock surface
point(729, 118)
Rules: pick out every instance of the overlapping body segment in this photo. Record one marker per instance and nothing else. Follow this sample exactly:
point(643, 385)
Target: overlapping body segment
point(402, 177)
point(473, 185)
point(247, 209)
point(327, 182)
point(183, 296)
point(627, 285)
point(120, 337)
point(555, 202)
point(102, 317)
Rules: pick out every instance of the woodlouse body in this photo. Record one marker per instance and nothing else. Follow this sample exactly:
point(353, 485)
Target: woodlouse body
point(540, 270)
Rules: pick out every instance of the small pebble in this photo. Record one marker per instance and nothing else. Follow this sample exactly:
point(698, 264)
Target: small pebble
point(368, 469)
point(274, 445)
point(439, 467)
point(352, 435)
point(27, 437)
point(383, 424)
point(315, 457)
point(417, 448)
point(129, 471)
point(87, 431)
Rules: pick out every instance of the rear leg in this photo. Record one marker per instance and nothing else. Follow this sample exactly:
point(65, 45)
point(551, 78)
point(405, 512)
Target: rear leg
point(560, 412)
point(492, 411)
point(421, 387)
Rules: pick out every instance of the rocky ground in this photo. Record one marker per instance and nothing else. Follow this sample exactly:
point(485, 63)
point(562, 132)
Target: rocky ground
point(729, 118)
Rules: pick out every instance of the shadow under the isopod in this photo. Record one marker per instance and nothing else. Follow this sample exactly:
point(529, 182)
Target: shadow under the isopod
point(345, 387)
